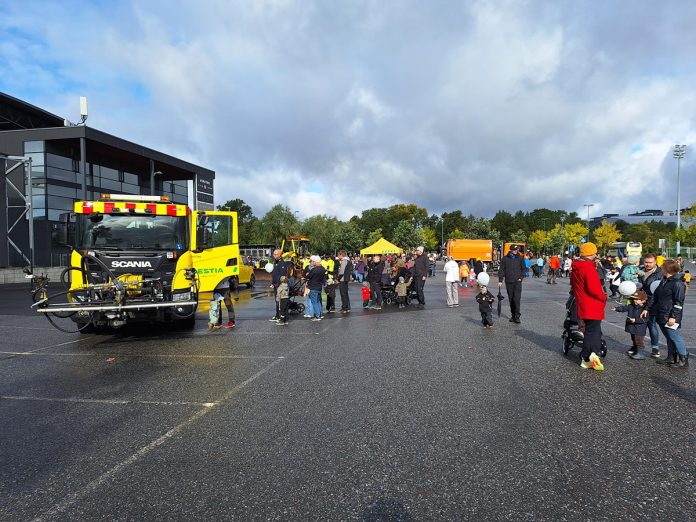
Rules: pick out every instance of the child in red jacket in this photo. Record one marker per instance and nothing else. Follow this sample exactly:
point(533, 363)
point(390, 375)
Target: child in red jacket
point(366, 294)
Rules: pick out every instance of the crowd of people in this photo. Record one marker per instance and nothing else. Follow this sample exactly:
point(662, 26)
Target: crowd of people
point(654, 305)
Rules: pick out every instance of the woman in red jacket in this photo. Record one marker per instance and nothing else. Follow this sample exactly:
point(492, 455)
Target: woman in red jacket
point(590, 300)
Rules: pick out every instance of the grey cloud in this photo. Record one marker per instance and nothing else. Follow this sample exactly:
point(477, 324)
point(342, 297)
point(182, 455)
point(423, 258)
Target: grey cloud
point(477, 106)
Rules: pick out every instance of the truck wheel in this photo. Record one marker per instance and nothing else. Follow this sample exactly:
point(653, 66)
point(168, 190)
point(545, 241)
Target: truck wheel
point(252, 281)
point(234, 283)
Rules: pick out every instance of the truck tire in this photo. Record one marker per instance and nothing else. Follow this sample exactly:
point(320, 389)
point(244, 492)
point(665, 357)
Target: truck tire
point(234, 283)
point(252, 281)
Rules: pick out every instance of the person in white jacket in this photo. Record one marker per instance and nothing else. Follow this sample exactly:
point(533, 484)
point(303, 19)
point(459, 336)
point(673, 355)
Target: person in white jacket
point(567, 266)
point(451, 280)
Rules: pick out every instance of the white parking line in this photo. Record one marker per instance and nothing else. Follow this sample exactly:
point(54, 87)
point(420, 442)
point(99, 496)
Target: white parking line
point(74, 497)
point(34, 352)
point(104, 401)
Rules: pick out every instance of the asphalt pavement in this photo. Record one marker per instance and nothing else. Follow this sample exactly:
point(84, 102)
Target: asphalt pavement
point(415, 414)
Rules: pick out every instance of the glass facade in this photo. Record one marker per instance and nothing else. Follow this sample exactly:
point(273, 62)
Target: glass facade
point(57, 182)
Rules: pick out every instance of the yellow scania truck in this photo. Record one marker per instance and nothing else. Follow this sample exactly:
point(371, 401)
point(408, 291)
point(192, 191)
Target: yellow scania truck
point(142, 258)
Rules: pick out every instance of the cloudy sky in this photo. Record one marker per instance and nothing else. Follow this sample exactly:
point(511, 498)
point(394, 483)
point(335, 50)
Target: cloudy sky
point(335, 107)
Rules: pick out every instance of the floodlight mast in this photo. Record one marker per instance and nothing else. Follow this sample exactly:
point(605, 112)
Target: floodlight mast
point(679, 153)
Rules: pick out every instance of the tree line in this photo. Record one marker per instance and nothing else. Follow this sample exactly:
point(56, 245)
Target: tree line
point(408, 225)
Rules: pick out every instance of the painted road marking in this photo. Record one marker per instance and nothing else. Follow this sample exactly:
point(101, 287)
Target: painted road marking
point(75, 496)
point(104, 401)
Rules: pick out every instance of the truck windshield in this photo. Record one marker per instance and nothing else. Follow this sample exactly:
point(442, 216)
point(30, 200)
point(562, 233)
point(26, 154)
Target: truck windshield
point(131, 231)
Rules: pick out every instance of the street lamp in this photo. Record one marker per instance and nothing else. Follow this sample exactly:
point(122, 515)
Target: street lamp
point(588, 220)
point(679, 153)
point(544, 220)
point(442, 234)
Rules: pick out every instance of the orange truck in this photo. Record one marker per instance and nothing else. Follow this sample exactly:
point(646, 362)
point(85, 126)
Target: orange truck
point(506, 247)
point(465, 249)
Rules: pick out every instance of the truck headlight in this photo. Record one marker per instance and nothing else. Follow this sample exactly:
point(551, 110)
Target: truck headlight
point(183, 296)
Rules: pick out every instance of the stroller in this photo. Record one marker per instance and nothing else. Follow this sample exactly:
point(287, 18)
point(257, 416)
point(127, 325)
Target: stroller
point(572, 332)
point(296, 290)
point(388, 290)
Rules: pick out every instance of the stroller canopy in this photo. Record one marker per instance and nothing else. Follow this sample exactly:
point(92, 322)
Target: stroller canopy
point(382, 246)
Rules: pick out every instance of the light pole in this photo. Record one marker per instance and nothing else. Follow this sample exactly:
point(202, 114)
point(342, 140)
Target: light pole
point(546, 240)
point(679, 153)
point(563, 232)
point(442, 234)
point(588, 220)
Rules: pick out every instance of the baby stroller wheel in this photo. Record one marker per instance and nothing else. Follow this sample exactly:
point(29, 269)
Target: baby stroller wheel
point(603, 349)
point(300, 308)
point(389, 300)
point(567, 345)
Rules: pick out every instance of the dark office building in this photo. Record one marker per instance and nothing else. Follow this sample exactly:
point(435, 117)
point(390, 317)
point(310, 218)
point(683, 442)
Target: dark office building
point(70, 163)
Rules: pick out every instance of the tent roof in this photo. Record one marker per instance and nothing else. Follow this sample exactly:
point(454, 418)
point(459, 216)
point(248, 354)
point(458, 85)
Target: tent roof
point(381, 246)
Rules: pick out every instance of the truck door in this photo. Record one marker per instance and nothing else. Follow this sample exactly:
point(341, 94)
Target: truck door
point(214, 247)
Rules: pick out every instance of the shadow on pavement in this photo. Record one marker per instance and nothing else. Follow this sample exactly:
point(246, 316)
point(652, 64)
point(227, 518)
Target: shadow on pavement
point(685, 394)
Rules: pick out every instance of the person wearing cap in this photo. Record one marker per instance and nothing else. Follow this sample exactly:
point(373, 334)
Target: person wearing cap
point(420, 272)
point(590, 301)
point(511, 272)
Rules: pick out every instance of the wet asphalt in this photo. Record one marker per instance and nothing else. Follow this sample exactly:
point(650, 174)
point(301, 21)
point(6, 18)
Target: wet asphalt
point(376, 415)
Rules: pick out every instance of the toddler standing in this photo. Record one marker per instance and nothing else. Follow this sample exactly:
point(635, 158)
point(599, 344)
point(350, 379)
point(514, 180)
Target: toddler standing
point(366, 294)
point(485, 299)
point(401, 292)
point(635, 324)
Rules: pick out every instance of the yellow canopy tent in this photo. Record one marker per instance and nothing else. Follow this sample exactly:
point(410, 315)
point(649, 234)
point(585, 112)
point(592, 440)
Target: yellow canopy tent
point(382, 246)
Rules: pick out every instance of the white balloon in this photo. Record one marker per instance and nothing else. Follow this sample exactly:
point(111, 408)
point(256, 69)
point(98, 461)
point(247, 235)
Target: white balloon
point(269, 267)
point(653, 286)
point(483, 278)
point(627, 288)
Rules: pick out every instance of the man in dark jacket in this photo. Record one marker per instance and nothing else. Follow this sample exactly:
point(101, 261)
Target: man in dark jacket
point(280, 268)
point(374, 277)
point(511, 273)
point(343, 271)
point(651, 273)
point(420, 272)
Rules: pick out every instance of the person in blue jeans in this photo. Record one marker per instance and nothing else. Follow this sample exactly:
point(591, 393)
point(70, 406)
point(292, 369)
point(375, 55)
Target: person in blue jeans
point(315, 282)
point(668, 307)
point(651, 275)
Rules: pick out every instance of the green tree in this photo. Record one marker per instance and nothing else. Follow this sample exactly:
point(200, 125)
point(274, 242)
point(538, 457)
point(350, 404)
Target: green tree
point(454, 221)
point(518, 236)
point(373, 237)
point(430, 238)
point(504, 223)
point(278, 223)
point(574, 232)
point(407, 236)
point(348, 237)
point(537, 240)
point(605, 235)
point(322, 232)
point(557, 239)
point(456, 234)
